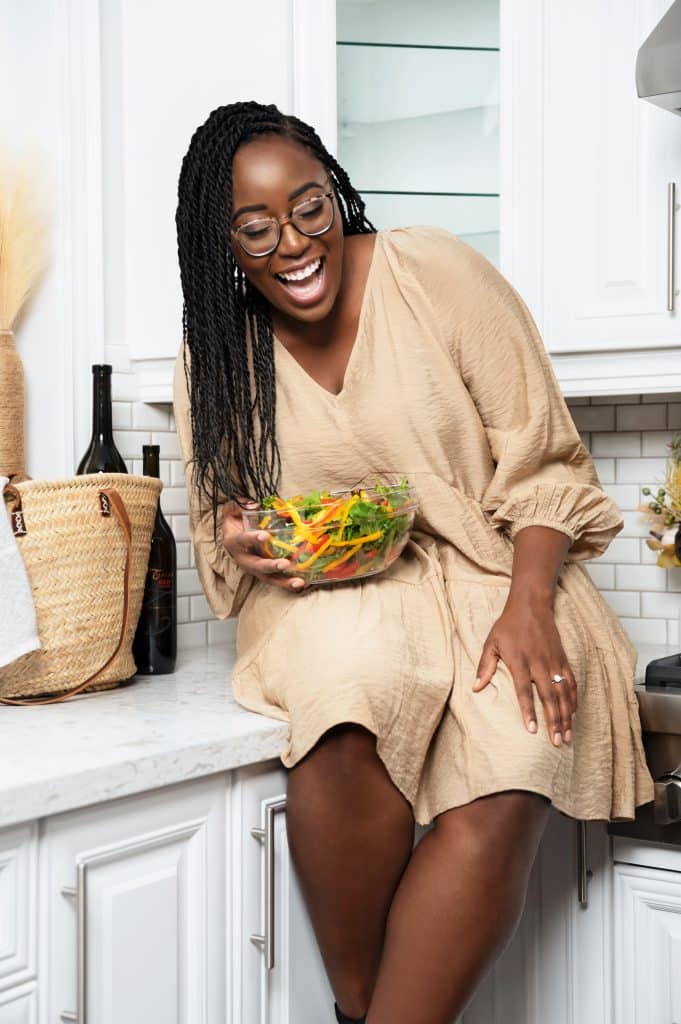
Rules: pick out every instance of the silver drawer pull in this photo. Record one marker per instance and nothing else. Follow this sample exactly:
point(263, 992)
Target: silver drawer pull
point(266, 941)
point(583, 873)
point(77, 892)
point(671, 245)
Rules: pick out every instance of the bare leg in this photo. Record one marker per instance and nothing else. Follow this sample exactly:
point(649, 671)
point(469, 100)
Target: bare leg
point(350, 833)
point(456, 907)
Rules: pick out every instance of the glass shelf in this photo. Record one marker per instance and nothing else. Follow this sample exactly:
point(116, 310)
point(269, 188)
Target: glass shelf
point(470, 23)
point(419, 46)
point(474, 218)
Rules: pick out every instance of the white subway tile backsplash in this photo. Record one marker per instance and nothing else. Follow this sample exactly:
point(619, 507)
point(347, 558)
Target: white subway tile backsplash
point(121, 415)
point(594, 417)
point(669, 396)
point(168, 443)
point(191, 634)
point(640, 577)
point(616, 400)
point(666, 605)
point(672, 631)
point(655, 441)
point(602, 575)
point(129, 442)
point(635, 525)
point(646, 631)
point(174, 501)
point(199, 609)
point(605, 468)
point(610, 444)
point(180, 527)
point(644, 471)
point(622, 550)
point(641, 417)
point(674, 579)
point(188, 582)
point(623, 602)
point(222, 631)
point(150, 417)
point(183, 547)
point(625, 496)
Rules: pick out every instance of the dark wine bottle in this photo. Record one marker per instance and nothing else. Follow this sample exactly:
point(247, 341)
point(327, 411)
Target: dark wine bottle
point(154, 647)
point(102, 455)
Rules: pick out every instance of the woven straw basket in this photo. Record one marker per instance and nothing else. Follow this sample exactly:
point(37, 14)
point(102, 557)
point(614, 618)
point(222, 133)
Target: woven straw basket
point(85, 543)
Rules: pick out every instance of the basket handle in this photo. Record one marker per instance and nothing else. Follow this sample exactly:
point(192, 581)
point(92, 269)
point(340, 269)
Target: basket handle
point(121, 514)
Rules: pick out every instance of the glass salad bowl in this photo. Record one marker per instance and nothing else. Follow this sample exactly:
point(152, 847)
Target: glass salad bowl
point(337, 535)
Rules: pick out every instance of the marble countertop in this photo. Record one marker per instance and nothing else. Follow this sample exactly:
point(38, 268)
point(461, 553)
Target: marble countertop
point(151, 732)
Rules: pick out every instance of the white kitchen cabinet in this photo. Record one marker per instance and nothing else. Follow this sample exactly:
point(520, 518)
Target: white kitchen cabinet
point(647, 896)
point(135, 910)
point(279, 976)
point(586, 168)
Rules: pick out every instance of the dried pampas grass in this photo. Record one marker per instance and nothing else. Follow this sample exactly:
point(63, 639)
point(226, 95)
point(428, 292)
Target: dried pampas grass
point(24, 228)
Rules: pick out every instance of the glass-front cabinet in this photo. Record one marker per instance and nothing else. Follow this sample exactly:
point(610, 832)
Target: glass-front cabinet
point(418, 113)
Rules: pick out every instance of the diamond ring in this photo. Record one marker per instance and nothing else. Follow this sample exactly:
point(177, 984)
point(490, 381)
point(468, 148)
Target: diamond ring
point(558, 679)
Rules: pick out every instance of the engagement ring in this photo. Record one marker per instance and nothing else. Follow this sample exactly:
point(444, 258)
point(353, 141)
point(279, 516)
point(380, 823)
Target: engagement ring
point(558, 679)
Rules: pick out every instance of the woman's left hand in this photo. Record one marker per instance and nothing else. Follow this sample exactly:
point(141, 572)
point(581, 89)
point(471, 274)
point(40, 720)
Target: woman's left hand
point(526, 639)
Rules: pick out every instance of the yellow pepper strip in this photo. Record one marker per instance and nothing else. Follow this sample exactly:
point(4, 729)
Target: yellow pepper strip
point(282, 544)
point(315, 556)
point(343, 558)
point(327, 512)
point(358, 540)
point(341, 526)
point(265, 522)
point(303, 530)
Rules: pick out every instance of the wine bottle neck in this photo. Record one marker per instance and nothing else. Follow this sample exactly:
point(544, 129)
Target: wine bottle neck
point(102, 429)
point(150, 464)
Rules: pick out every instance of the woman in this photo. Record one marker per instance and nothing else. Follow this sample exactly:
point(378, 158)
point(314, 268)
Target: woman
point(481, 677)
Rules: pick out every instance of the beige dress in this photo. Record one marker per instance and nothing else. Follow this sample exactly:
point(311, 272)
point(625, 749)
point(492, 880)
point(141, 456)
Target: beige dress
point(449, 384)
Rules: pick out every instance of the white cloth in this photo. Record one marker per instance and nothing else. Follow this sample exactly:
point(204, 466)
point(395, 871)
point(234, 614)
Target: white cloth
point(18, 625)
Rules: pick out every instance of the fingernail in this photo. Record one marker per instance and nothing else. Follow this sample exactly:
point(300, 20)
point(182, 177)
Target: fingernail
point(262, 536)
point(477, 682)
point(532, 726)
point(573, 715)
point(557, 738)
point(297, 584)
point(568, 735)
point(282, 565)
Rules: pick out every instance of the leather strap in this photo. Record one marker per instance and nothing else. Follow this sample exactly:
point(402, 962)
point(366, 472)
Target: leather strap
point(122, 516)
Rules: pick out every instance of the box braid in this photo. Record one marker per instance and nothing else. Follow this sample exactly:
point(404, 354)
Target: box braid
point(221, 308)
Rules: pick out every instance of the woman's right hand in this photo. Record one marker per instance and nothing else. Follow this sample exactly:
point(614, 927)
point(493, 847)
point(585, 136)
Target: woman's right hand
point(246, 547)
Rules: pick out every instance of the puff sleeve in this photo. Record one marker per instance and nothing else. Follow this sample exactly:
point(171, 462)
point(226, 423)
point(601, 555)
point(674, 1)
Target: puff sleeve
point(224, 583)
point(544, 475)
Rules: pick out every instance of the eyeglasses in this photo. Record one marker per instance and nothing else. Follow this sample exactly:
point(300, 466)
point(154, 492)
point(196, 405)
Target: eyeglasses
point(312, 217)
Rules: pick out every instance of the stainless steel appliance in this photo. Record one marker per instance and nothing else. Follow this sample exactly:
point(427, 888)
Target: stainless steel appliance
point(660, 705)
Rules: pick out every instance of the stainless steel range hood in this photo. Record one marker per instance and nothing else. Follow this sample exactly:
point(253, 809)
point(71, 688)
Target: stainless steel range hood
point(658, 64)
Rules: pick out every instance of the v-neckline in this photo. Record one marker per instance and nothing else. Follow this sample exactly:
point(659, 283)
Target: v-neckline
point(352, 359)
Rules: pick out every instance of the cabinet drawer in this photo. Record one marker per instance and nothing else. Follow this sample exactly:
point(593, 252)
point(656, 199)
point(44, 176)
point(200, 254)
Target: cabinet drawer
point(18, 904)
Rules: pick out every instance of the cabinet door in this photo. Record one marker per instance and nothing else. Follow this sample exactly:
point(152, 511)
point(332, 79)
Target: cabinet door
point(608, 157)
point(294, 988)
point(647, 945)
point(136, 908)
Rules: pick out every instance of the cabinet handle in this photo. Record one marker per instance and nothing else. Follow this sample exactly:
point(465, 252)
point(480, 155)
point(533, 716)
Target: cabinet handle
point(583, 873)
point(78, 893)
point(671, 245)
point(266, 941)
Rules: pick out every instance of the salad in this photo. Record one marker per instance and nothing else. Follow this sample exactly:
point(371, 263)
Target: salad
point(336, 535)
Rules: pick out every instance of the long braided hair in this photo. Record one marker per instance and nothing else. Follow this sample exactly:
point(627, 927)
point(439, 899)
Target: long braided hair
point(221, 308)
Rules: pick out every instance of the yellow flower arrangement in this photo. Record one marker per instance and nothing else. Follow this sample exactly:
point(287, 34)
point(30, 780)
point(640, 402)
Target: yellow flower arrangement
point(664, 510)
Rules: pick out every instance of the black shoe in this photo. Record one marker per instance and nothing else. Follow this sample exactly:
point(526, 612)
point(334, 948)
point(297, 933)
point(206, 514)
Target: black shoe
point(342, 1019)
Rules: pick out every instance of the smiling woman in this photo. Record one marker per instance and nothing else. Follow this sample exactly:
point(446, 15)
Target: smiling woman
point(481, 676)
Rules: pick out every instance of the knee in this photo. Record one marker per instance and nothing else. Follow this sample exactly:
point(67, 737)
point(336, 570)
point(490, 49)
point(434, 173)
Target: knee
point(496, 835)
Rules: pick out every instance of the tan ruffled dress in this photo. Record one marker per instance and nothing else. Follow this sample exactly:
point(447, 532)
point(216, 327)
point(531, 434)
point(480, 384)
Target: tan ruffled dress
point(449, 384)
